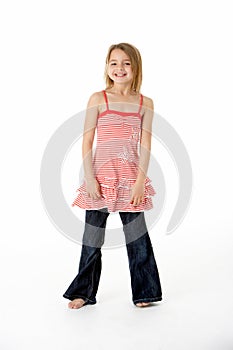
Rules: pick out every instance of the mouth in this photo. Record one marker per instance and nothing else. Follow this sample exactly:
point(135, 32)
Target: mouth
point(120, 75)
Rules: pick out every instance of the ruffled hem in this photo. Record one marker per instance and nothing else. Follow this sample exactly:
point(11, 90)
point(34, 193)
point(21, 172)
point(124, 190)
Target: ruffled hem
point(115, 195)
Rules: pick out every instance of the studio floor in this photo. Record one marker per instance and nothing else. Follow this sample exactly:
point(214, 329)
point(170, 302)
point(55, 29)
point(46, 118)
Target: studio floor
point(195, 313)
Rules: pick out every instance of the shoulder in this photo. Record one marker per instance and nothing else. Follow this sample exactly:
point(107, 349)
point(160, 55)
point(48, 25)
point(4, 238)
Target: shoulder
point(148, 102)
point(147, 115)
point(96, 99)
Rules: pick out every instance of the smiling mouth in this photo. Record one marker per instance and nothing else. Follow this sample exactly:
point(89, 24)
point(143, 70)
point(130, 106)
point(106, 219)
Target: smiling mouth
point(120, 75)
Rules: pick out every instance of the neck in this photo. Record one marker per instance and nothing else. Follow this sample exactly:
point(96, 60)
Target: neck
point(121, 89)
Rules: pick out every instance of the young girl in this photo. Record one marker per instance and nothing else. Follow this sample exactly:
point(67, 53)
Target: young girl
point(116, 180)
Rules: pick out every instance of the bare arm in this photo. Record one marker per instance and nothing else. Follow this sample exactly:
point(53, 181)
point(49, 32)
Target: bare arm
point(92, 185)
point(88, 135)
point(145, 140)
point(137, 193)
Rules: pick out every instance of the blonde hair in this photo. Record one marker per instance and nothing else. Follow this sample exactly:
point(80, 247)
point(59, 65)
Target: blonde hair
point(136, 62)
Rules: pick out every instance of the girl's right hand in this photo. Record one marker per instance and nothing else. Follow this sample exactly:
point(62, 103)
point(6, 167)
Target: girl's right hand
point(93, 188)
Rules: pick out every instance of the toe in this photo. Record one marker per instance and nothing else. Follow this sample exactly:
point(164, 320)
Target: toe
point(142, 304)
point(70, 305)
point(145, 304)
point(139, 304)
point(76, 303)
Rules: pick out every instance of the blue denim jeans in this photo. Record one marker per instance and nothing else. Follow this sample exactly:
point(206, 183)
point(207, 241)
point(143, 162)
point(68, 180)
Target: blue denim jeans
point(145, 281)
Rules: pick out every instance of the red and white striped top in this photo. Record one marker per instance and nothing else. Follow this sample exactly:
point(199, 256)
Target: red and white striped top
point(115, 162)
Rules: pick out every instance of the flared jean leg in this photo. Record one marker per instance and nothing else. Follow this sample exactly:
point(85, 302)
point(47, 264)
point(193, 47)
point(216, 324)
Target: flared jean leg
point(145, 280)
point(85, 284)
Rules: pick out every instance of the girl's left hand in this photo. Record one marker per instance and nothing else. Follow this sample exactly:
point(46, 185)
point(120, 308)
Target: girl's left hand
point(137, 193)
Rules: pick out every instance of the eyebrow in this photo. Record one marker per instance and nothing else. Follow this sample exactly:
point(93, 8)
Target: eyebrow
point(116, 60)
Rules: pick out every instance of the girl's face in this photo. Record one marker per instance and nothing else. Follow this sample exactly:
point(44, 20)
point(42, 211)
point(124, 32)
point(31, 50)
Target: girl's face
point(119, 67)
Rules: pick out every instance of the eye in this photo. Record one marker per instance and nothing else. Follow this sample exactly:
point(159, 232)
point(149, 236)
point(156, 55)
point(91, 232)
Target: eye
point(113, 64)
point(127, 63)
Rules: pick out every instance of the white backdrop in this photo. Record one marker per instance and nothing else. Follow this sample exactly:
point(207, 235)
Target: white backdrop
point(52, 59)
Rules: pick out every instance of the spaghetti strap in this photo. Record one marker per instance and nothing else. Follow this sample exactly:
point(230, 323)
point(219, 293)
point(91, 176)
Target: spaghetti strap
point(141, 102)
point(106, 99)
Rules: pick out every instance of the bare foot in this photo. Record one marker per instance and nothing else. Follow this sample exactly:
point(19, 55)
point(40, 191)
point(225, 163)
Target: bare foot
point(76, 303)
point(142, 304)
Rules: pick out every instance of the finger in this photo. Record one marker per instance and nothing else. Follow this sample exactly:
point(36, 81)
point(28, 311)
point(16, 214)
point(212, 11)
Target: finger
point(133, 198)
point(137, 201)
point(96, 195)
